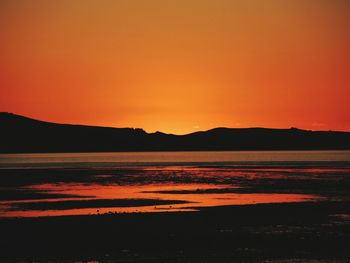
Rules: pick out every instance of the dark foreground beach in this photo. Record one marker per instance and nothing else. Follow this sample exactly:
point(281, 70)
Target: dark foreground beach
point(281, 211)
point(271, 232)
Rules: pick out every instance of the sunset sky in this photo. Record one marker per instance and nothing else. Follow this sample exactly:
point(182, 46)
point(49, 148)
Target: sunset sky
point(179, 65)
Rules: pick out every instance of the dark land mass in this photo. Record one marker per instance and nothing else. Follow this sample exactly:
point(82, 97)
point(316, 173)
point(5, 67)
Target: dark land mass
point(247, 233)
point(20, 134)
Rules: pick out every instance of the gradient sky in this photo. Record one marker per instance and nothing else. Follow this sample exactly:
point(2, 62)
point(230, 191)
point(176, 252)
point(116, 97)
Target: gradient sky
point(177, 66)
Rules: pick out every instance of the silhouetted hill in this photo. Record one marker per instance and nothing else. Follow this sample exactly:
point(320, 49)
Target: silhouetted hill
point(22, 134)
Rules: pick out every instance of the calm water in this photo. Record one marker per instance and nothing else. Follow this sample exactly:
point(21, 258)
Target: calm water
point(98, 183)
point(169, 158)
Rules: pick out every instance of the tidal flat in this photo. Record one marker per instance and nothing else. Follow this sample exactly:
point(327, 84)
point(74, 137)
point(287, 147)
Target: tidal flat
point(283, 211)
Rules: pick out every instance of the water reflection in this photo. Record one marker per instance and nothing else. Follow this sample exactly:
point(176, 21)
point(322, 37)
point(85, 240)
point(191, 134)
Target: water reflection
point(70, 184)
point(194, 196)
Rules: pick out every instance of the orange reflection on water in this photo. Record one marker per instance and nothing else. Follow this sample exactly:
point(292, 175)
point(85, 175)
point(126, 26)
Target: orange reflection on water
point(196, 196)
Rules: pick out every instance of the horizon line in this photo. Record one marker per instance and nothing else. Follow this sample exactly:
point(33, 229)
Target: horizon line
point(168, 133)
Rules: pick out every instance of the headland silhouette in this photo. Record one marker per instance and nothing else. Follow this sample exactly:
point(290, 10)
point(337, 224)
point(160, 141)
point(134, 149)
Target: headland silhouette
point(23, 134)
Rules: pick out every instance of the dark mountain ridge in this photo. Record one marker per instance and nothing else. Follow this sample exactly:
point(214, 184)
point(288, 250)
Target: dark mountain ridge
point(19, 134)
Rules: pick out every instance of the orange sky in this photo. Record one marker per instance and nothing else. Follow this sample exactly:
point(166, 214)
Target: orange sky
point(178, 65)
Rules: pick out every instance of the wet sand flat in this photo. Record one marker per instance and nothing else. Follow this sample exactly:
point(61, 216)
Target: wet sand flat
point(57, 191)
point(265, 212)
